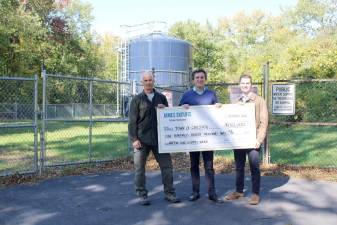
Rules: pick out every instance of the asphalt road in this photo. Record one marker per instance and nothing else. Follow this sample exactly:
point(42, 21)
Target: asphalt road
point(109, 199)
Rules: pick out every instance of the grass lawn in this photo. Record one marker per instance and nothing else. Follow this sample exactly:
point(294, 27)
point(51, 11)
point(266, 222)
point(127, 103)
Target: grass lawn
point(16, 149)
point(300, 145)
point(304, 145)
point(66, 142)
point(69, 142)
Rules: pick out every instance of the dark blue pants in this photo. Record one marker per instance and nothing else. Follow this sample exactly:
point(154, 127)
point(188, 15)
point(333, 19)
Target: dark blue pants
point(254, 164)
point(209, 171)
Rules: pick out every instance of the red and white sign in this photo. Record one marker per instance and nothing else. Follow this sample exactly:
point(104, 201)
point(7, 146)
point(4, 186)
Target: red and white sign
point(169, 97)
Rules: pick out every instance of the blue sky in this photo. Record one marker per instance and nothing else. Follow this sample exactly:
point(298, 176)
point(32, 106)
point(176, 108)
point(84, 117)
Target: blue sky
point(111, 14)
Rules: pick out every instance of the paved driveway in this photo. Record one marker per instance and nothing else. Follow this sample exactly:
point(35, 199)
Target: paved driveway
point(109, 199)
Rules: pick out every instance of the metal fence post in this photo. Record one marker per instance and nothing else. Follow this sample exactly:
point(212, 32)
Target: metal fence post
point(36, 162)
point(90, 120)
point(266, 155)
point(16, 110)
point(73, 110)
point(133, 88)
point(118, 113)
point(43, 127)
point(131, 94)
point(189, 78)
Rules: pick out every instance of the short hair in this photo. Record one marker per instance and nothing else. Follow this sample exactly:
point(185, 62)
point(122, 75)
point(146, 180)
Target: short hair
point(199, 71)
point(147, 72)
point(246, 75)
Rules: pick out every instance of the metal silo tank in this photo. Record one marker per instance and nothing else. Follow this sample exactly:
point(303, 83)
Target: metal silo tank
point(169, 57)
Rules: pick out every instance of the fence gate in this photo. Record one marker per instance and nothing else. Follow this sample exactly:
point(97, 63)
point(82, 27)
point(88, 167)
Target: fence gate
point(18, 125)
point(83, 120)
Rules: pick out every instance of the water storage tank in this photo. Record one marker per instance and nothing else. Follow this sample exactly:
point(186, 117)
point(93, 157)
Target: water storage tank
point(169, 57)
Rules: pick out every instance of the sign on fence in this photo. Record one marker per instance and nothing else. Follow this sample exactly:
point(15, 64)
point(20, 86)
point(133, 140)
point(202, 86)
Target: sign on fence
point(206, 128)
point(169, 97)
point(283, 99)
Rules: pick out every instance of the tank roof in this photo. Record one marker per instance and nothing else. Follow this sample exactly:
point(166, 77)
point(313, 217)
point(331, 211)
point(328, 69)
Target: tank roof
point(158, 36)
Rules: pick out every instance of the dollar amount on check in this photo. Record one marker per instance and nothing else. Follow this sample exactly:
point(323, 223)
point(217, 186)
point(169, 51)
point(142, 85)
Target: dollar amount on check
point(206, 128)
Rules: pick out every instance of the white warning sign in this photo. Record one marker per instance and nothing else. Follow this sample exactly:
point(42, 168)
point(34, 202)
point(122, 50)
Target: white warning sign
point(283, 99)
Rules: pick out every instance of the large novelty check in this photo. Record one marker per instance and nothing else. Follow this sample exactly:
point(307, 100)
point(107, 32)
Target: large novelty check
point(204, 128)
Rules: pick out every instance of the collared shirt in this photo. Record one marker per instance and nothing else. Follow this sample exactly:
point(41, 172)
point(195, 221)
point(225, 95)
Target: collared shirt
point(150, 96)
point(244, 98)
point(198, 91)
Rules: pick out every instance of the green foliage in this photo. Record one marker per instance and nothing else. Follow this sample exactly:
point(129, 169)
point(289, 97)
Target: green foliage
point(315, 102)
point(21, 36)
point(312, 98)
point(41, 32)
point(301, 43)
point(201, 39)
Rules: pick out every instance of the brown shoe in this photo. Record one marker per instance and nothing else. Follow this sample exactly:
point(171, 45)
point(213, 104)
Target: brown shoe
point(233, 196)
point(254, 200)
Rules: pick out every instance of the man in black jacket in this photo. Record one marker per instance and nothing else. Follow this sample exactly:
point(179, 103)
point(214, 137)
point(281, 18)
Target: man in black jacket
point(144, 138)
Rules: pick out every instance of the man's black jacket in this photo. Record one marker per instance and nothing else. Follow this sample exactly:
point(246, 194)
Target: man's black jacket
point(143, 118)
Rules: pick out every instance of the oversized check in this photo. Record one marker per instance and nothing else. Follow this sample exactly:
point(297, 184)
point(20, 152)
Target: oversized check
point(203, 128)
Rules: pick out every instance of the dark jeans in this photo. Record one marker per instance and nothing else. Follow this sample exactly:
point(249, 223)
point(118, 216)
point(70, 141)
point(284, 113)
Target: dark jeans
point(209, 171)
point(165, 164)
point(254, 163)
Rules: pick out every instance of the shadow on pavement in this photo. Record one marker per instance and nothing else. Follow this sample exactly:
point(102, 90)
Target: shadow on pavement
point(110, 199)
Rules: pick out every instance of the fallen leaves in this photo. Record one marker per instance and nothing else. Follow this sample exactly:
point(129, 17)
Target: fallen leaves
point(180, 162)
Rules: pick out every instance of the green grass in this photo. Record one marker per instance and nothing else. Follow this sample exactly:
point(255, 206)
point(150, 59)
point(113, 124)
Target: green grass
point(16, 149)
point(300, 145)
point(225, 153)
point(304, 145)
point(68, 142)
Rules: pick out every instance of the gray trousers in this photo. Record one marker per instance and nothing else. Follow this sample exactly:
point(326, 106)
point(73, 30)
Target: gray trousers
point(165, 164)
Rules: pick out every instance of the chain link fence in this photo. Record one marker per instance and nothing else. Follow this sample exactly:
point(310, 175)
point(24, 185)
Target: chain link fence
point(228, 93)
point(83, 120)
point(309, 137)
point(18, 125)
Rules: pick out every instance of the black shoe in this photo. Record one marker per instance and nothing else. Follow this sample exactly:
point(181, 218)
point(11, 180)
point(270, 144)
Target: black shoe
point(214, 198)
point(194, 196)
point(143, 200)
point(172, 198)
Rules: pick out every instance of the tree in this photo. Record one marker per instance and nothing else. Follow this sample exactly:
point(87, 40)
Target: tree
point(202, 38)
point(21, 35)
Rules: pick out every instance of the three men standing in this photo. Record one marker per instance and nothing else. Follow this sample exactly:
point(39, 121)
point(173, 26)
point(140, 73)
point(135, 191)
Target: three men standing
point(144, 138)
